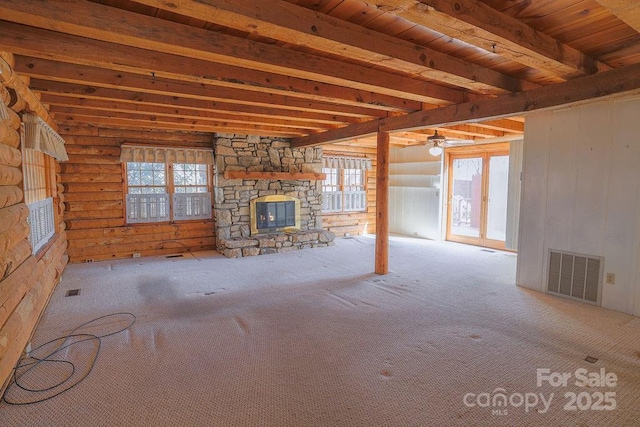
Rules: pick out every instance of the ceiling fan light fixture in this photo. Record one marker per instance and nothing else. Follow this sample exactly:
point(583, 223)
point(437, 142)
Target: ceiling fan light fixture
point(436, 138)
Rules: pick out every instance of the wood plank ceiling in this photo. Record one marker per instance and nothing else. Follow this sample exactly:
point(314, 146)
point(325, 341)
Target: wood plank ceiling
point(318, 70)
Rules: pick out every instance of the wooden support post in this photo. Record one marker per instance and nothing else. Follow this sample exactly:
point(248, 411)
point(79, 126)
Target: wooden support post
point(382, 204)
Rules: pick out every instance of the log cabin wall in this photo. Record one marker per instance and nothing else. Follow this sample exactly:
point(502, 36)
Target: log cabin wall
point(354, 223)
point(26, 280)
point(93, 180)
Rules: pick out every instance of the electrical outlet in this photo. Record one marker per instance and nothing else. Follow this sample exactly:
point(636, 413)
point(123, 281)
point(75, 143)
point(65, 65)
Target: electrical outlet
point(136, 254)
point(611, 278)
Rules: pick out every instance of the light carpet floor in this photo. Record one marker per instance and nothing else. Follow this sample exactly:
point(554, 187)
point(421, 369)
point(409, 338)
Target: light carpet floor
point(314, 338)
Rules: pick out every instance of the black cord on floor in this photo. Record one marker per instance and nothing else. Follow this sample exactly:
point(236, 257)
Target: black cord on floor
point(27, 364)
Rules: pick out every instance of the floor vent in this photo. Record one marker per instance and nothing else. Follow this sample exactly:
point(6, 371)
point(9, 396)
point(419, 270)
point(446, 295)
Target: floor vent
point(575, 276)
point(72, 293)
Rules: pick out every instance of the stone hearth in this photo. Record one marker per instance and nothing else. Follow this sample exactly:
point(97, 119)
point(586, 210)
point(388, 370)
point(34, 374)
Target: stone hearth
point(241, 153)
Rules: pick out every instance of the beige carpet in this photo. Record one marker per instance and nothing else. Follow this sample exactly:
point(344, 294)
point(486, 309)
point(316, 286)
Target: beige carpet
point(313, 338)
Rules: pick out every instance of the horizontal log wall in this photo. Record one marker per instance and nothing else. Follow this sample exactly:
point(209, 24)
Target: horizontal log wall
point(354, 223)
point(26, 281)
point(94, 203)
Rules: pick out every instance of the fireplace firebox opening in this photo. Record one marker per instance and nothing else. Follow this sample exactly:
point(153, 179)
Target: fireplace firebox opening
point(274, 214)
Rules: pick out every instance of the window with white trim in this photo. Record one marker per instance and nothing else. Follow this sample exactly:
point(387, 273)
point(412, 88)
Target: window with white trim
point(37, 183)
point(167, 184)
point(344, 187)
point(41, 146)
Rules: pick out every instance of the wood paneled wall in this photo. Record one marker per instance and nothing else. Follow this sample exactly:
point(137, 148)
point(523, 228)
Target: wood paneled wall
point(94, 198)
point(26, 281)
point(354, 223)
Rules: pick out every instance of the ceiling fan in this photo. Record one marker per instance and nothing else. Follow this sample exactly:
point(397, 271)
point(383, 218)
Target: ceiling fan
point(440, 141)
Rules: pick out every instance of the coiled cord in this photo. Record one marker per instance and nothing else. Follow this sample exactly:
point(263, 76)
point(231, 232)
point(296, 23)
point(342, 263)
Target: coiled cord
point(18, 393)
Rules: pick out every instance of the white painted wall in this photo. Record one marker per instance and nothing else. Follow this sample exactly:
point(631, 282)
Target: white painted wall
point(414, 192)
point(515, 192)
point(581, 186)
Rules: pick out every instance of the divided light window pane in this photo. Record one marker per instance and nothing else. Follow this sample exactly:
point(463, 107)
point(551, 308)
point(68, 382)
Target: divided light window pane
point(331, 182)
point(190, 178)
point(353, 180)
point(146, 178)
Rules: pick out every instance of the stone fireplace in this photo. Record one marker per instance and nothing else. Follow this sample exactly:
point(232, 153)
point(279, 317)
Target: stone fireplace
point(267, 196)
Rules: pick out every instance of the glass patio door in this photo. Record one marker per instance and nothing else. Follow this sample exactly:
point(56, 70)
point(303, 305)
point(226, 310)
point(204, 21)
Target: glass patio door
point(477, 198)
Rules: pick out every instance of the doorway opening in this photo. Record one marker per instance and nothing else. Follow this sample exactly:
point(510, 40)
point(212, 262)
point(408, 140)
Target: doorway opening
point(478, 195)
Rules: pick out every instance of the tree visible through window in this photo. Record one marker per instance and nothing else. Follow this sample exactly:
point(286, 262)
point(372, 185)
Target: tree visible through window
point(190, 178)
point(146, 178)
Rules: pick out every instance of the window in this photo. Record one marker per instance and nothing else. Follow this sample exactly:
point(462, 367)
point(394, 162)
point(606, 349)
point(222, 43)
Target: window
point(167, 184)
point(41, 145)
point(38, 183)
point(353, 180)
point(331, 182)
point(34, 166)
point(344, 188)
point(146, 178)
point(190, 178)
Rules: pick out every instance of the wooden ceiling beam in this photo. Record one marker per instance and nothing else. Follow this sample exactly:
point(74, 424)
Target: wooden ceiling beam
point(161, 114)
point(74, 132)
point(143, 99)
point(618, 81)
point(286, 104)
point(455, 132)
point(504, 125)
point(36, 43)
point(470, 131)
point(479, 24)
point(96, 21)
point(83, 75)
point(347, 133)
point(204, 123)
point(302, 120)
point(627, 10)
point(80, 119)
point(303, 27)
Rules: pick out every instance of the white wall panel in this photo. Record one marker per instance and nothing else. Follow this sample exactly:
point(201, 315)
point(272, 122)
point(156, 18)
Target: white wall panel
point(581, 193)
point(622, 205)
point(593, 156)
point(414, 200)
point(515, 192)
point(562, 178)
point(533, 207)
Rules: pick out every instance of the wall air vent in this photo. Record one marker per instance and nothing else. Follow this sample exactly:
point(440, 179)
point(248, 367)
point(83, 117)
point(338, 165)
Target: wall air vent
point(575, 276)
